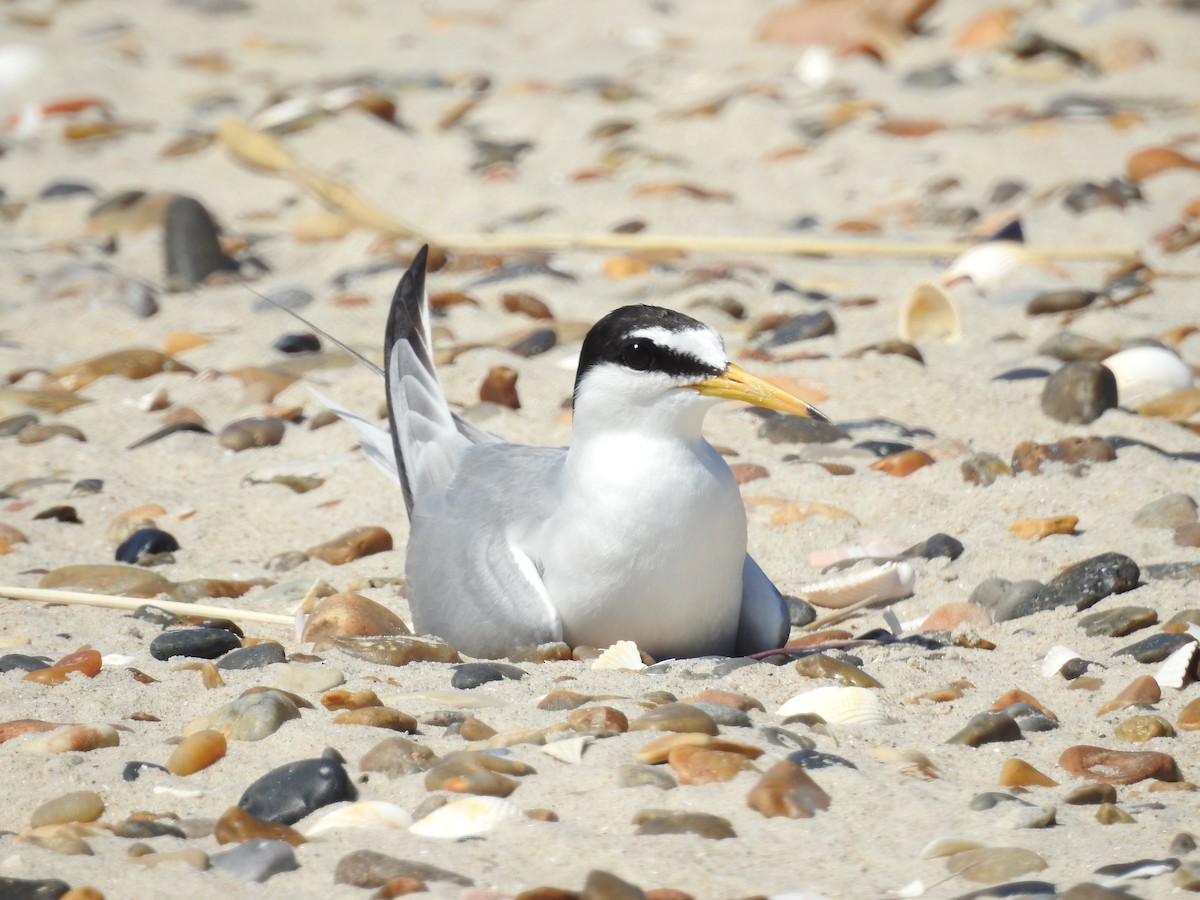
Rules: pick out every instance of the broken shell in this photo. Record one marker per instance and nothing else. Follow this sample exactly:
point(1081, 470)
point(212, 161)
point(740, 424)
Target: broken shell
point(364, 814)
point(1150, 162)
point(621, 655)
point(569, 750)
point(838, 705)
point(467, 817)
point(1177, 668)
point(1036, 529)
point(990, 265)
point(1057, 657)
point(928, 314)
point(892, 581)
point(1145, 373)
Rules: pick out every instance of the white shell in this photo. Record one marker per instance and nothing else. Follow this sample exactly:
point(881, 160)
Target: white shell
point(988, 265)
point(1057, 657)
point(184, 793)
point(1144, 373)
point(113, 660)
point(947, 846)
point(467, 817)
point(621, 655)
point(823, 559)
point(928, 314)
point(1176, 668)
point(838, 705)
point(891, 581)
point(364, 814)
point(569, 750)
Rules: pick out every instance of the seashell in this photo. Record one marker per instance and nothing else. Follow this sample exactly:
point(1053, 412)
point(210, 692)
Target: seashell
point(1057, 657)
point(947, 846)
point(1150, 162)
point(1036, 529)
point(569, 750)
point(467, 817)
point(928, 314)
point(1146, 373)
point(838, 705)
point(907, 761)
point(170, 790)
point(364, 814)
point(990, 265)
point(822, 559)
point(1177, 668)
point(892, 581)
point(621, 655)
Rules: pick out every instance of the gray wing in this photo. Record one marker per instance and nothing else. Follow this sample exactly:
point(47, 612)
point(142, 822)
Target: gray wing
point(764, 623)
point(428, 440)
point(470, 579)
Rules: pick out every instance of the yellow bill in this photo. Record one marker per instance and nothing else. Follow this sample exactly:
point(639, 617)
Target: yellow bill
point(735, 383)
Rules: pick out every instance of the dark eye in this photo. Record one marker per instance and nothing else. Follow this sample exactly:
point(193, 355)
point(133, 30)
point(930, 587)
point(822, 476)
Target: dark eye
point(638, 355)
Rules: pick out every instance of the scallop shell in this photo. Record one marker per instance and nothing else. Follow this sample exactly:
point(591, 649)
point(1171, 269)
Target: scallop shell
point(928, 314)
point(838, 705)
point(364, 814)
point(1144, 373)
point(891, 581)
point(621, 655)
point(467, 817)
point(1177, 668)
point(820, 559)
point(569, 750)
point(1057, 657)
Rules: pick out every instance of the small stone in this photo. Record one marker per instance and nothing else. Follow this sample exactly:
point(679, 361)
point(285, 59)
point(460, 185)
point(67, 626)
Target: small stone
point(368, 869)
point(469, 728)
point(353, 545)
point(146, 542)
point(393, 650)
point(984, 468)
point(191, 244)
point(950, 616)
point(32, 889)
point(1036, 529)
point(723, 715)
point(1076, 452)
point(343, 699)
point(290, 792)
point(535, 343)
point(785, 428)
point(395, 756)
point(471, 675)
point(140, 829)
point(598, 721)
point(197, 751)
point(986, 728)
point(674, 717)
point(251, 717)
point(500, 386)
point(254, 432)
point(1118, 766)
point(77, 806)
point(1189, 716)
point(1050, 302)
point(702, 765)
point(903, 463)
point(989, 865)
point(1187, 535)
point(1140, 729)
point(191, 856)
point(1018, 773)
point(556, 701)
point(740, 702)
point(236, 826)
point(1155, 648)
point(1091, 794)
point(256, 860)
point(348, 614)
point(1170, 511)
point(198, 643)
point(1119, 621)
point(601, 885)
point(467, 772)
point(787, 790)
point(802, 328)
point(1086, 583)
point(299, 342)
point(1067, 346)
point(1028, 816)
point(1142, 691)
point(635, 775)
point(133, 770)
point(134, 364)
point(1110, 814)
point(303, 679)
point(1005, 599)
point(39, 433)
point(75, 738)
point(800, 612)
point(1187, 876)
point(936, 546)
point(254, 657)
point(1182, 844)
point(661, 821)
point(1079, 393)
point(377, 717)
point(820, 665)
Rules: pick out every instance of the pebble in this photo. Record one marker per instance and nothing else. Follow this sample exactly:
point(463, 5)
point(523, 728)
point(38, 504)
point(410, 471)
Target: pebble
point(1086, 583)
point(1074, 451)
point(787, 790)
point(1109, 814)
point(1187, 876)
point(636, 775)
point(62, 842)
point(740, 702)
point(1182, 844)
point(254, 432)
point(663, 821)
point(472, 675)
point(256, 860)
point(302, 679)
point(134, 364)
point(293, 298)
point(248, 718)
point(292, 791)
point(723, 714)
point(377, 717)
point(1155, 648)
point(499, 386)
point(144, 543)
point(395, 756)
point(1118, 766)
point(821, 665)
point(190, 856)
point(674, 717)
point(255, 656)
point(301, 342)
point(1050, 302)
point(1091, 794)
point(77, 806)
point(702, 765)
point(1079, 393)
point(32, 889)
point(936, 546)
point(197, 751)
point(1018, 773)
point(659, 750)
point(986, 728)
point(137, 828)
point(802, 328)
point(343, 699)
point(198, 643)
point(392, 650)
point(785, 428)
point(352, 545)
point(989, 865)
point(348, 614)
point(1142, 691)
point(191, 244)
point(1005, 600)
point(468, 772)
point(535, 343)
point(1189, 716)
point(133, 770)
point(1140, 729)
point(14, 662)
point(1170, 511)
point(75, 738)
point(39, 433)
point(369, 869)
point(236, 826)
point(1119, 621)
point(1028, 816)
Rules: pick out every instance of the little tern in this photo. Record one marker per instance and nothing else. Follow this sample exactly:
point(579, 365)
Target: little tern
point(636, 531)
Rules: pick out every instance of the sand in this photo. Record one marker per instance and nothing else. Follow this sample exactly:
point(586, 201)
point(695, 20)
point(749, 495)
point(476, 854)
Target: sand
point(146, 65)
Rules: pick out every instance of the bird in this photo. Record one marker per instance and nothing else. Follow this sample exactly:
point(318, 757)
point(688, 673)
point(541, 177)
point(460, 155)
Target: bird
point(635, 531)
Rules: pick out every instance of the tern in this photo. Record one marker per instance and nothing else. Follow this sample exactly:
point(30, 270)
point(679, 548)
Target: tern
point(636, 531)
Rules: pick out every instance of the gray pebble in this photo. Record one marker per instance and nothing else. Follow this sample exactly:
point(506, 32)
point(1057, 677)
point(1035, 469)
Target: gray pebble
point(256, 860)
point(1079, 393)
point(254, 657)
point(724, 714)
point(1170, 511)
point(987, 728)
point(472, 675)
point(191, 244)
point(636, 775)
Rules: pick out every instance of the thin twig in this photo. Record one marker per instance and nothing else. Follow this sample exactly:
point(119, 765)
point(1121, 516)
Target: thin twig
point(843, 614)
point(116, 601)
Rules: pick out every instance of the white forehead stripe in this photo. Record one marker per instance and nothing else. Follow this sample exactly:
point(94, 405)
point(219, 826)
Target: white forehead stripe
point(701, 343)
